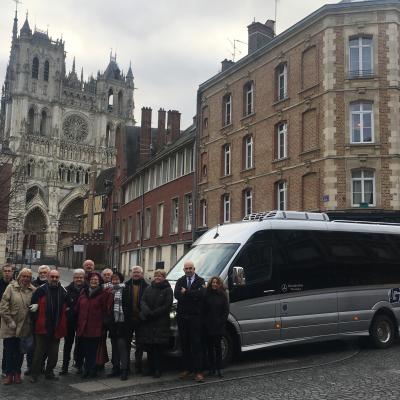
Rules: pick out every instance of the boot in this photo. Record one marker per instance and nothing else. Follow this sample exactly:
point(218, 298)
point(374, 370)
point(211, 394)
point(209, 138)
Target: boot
point(17, 378)
point(8, 379)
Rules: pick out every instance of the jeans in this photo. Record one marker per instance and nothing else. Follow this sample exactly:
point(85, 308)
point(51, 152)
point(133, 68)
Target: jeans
point(13, 357)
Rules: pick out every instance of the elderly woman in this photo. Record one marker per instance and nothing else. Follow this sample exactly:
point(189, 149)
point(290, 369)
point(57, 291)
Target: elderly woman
point(155, 332)
point(15, 323)
point(94, 306)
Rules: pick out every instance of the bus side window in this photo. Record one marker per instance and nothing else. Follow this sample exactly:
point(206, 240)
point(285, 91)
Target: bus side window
point(256, 261)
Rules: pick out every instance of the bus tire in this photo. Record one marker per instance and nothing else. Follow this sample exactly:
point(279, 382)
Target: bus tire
point(228, 349)
point(382, 331)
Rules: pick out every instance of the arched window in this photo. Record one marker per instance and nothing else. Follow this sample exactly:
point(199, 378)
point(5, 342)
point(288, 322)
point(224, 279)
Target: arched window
point(227, 109)
point(79, 175)
point(30, 168)
point(61, 172)
point(120, 101)
point(117, 136)
point(108, 136)
point(43, 124)
point(248, 98)
point(71, 174)
point(87, 177)
point(35, 68)
point(281, 195)
point(31, 121)
point(110, 99)
point(46, 71)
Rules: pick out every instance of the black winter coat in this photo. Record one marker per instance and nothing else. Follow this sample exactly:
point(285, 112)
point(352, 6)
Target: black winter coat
point(155, 308)
point(189, 303)
point(72, 298)
point(215, 311)
point(127, 298)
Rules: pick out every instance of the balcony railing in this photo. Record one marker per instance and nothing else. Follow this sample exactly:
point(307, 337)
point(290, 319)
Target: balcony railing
point(361, 74)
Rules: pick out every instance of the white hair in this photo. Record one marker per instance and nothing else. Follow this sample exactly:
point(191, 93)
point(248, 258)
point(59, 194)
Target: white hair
point(44, 267)
point(138, 267)
point(79, 271)
point(106, 270)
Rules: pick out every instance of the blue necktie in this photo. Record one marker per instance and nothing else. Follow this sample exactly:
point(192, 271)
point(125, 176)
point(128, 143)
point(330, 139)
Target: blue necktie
point(189, 283)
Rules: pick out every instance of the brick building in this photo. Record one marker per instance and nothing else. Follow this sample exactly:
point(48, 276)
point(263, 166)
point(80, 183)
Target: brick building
point(149, 212)
point(308, 120)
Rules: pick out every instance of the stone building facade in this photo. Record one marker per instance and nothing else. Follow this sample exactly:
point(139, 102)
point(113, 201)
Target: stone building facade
point(308, 120)
point(61, 128)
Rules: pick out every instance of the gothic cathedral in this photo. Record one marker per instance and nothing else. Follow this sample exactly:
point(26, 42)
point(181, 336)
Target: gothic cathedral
point(62, 129)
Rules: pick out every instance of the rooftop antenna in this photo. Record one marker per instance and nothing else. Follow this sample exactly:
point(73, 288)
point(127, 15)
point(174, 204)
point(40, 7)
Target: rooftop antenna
point(276, 11)
point(235, 48)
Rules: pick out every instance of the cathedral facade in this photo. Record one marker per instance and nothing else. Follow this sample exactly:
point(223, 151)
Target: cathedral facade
point(61, 129)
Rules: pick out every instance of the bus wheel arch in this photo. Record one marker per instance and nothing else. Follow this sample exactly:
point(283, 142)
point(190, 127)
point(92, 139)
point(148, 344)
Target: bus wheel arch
point(230, 344)
point(383, 329)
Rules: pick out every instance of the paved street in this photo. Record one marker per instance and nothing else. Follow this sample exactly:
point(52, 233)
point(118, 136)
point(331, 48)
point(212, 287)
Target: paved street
point(336, 370)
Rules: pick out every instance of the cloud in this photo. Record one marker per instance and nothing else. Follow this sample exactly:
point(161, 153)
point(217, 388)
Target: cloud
point(174, 45)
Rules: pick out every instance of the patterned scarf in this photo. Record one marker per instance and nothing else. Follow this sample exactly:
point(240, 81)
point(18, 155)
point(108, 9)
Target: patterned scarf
point(118, 312)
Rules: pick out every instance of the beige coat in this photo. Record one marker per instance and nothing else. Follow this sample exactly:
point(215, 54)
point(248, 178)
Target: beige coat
point(14, 307)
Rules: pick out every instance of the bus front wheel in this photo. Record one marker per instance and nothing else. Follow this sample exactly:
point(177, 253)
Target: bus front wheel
point(382, 331)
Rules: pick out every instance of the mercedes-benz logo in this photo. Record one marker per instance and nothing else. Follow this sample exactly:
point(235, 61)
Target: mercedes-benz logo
point(284, 288)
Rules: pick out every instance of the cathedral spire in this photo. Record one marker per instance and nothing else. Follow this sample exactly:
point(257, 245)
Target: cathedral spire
point(15, 26)
point(73, 66)
point(82, 75)
point(26, 29)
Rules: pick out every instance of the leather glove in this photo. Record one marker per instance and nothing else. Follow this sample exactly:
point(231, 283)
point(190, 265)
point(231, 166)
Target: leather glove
point(12, 325)
point(33, 307)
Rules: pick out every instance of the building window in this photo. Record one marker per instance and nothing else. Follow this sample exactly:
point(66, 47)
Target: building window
point(138, 224)
point(248, 152)
point(147, 223)
point(160, 219)
point(43, 124)
point(129, 238)
point(248, 201)
point(281, 195)
point(281, 74)
point(227, 109)
point(188, 212)
point(281, 140)
point(35, 68)
point(31, 121)
point(205, 123)
point(174, 215)
point(123, 231)
point(248, 98)
point(363, 188)
point(226, 158)
point(46, 71)
point(203, 212)
point(226, 208)
point(361, 123)
point(360, 57)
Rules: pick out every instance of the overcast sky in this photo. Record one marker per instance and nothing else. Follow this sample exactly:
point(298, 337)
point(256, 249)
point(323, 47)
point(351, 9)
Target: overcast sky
point(174, 45)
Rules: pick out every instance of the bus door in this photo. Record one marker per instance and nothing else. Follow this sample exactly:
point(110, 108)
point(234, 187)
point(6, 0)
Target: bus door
point(254, 297)
point(308, 305)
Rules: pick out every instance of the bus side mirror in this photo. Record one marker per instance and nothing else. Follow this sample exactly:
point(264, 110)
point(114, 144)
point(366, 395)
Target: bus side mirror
point(238, 276)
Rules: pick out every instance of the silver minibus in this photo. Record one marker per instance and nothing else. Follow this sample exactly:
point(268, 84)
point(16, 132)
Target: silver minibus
point(299, 277)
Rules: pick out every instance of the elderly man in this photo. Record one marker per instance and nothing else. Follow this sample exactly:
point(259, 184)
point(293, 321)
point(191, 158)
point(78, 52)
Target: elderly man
point(131, 298)
point(74, 290)
point(49, 302)
point(88, 266)
point(7, 271)
point(106, 275)
point(43, 273)
point(189, 291)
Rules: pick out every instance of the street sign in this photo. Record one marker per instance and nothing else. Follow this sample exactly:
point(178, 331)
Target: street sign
point(79, 248)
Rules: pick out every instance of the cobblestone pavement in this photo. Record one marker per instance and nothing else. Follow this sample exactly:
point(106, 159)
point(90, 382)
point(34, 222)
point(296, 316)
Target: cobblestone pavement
point(337, 370)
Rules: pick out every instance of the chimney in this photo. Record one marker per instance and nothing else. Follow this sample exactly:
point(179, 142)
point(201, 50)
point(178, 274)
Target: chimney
point(226, 64)
point(145, 135)
point(260, 34)
point(174, 125)
point(161, 140)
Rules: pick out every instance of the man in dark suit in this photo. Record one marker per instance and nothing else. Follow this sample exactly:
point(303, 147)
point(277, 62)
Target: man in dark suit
point(189, 292)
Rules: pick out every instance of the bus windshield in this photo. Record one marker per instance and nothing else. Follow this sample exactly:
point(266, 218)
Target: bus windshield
point(209, 260)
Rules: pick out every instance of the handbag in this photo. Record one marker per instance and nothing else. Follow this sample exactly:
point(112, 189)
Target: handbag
point(26, 344)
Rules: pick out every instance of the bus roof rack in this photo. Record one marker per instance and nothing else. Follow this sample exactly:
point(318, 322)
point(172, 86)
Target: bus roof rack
point(288, 215)
point(349, 221)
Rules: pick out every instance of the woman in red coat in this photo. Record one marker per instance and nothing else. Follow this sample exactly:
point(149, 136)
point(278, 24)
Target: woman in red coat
point(93, 308)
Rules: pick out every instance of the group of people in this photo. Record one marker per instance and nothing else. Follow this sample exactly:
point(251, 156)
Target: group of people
point(35, 314)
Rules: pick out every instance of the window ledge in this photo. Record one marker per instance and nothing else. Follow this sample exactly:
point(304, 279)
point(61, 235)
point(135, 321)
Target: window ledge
point(248, 116)
point(173, 233)
point(372, 206)
point(277, 160)
point(361, 77)
point(225, 176)
point(248, 169)
point(225, 127)
point(279, 101)
point(374, 144)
